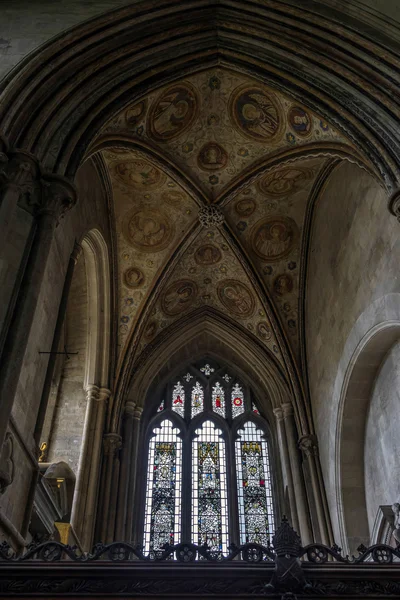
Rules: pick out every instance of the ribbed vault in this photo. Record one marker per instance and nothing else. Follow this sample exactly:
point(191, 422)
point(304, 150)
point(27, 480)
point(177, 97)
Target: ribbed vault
point(60, 98)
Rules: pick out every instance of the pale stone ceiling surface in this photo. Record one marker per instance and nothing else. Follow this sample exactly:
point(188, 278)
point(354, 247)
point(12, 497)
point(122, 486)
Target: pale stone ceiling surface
point(210, 139)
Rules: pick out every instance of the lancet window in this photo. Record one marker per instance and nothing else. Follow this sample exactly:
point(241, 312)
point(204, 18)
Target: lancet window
point(208, 467)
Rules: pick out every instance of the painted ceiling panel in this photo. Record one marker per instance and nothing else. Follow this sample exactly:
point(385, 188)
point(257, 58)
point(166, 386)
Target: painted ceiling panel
point(214, 138)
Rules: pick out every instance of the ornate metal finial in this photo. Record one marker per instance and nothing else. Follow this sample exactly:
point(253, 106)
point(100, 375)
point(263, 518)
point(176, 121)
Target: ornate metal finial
point(211, 216)
point(43, 450)
point(286, 541)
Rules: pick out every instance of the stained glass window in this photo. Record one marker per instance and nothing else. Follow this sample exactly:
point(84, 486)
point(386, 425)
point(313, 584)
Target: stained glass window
point(218, 399)
point(212, 454)
point(237, 400)
point(209, 489)
point(197, 399)
point(256, 515)
point(164, 489)
point(178, 399)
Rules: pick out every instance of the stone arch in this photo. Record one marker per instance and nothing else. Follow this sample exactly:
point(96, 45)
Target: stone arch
point(39, 91)
point(204, 334)
point(363, 365)
point(97, 259)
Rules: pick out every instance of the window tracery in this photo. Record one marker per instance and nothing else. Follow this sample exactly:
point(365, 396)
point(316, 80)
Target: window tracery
point(208, 471)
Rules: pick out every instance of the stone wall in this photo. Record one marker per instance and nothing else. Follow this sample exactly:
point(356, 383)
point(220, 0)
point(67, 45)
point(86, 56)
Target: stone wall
point(353, 264)
point(90, 212)
point(69, 412)
point(382, 440)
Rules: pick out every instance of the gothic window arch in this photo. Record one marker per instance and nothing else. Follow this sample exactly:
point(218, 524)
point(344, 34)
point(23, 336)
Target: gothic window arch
point(208, 470)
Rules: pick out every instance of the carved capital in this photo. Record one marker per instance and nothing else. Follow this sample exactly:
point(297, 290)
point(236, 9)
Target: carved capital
point(287, 409)
point(130, 408)
point(211, 216)
point(92, 392)
point(104, 394)
point(137, 413)
point(55, 196)
point(112, 442)
point(278, 412)
point(6, 463)
point(309, 445)
point(394, 204)
point(21, 171)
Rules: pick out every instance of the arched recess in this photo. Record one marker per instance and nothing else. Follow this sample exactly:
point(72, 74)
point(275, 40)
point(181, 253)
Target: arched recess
point(75, 425)
point(362, 372)
point(55, 103)
point(204, 335)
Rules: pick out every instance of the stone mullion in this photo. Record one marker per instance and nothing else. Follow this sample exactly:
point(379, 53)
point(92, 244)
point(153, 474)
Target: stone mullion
point(56, 195)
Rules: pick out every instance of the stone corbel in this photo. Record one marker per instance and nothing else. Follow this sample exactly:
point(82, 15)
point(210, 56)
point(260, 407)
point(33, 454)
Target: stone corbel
point(20, 171)
point(6, 463)
point(112, 443)
point(309, 445)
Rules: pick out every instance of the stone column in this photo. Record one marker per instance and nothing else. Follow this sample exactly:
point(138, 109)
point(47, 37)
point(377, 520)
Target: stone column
point(93, 460)
point(297, 474)
point(19, 181)
point(133, 473)
point(126, 459)
point(309, 446)
point(112, 443)
point(77, 251)
point(284, 452)
point(57, 195)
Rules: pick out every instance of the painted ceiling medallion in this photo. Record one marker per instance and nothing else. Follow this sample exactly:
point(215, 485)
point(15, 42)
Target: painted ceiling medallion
point(134, 113)
point(174, 198)
point(283, 284)
point(245, 207)
point(179, 297)
point(236, 298)
point(264, 331)
point(256, 113)
point(150, 330)
point(148, 230)
point(134, 277)
point(274, 237)
point(207, 255)
point(285, 181)
point(212, 157)
point(138, 174)
point(300, 121)
point(173, 112)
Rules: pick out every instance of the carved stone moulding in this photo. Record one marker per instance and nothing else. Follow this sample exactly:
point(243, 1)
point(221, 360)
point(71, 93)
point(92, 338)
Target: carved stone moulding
point(211, 216)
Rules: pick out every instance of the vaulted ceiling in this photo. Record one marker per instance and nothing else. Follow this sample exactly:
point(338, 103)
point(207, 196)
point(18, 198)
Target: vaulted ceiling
point(221, 139)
